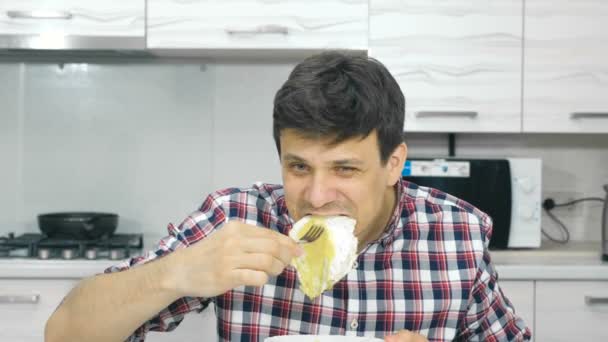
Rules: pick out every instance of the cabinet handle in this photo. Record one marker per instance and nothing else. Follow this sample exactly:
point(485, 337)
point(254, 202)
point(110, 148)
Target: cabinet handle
point(591, 300)
point(19, 299)
point(584, 115)
point(264, 29)
point(40, 14)
point(446, 113)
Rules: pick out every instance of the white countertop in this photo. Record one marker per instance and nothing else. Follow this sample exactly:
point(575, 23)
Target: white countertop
point(52, 269)
point(574, 261)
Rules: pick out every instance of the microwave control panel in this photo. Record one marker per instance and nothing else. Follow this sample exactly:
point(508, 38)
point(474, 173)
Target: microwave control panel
point(437, 168)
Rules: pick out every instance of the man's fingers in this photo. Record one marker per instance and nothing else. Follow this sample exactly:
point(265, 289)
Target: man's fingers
point(260, 262)
point(252, 254)
point(248, 277)
point(275, 248)
point(405, 336)
point(265, 233)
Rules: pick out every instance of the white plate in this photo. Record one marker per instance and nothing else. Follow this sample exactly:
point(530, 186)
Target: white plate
point(321, 338)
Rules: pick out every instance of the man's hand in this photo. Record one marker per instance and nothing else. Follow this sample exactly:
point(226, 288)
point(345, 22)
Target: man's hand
point(238, 254)
point(405, 336)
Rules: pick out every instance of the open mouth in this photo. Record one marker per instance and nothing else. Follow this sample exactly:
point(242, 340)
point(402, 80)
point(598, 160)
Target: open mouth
point(327, 214)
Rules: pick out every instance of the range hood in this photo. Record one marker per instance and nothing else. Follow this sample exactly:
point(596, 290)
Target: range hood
point(33, 28)
point(27, 46)
point(58, 41)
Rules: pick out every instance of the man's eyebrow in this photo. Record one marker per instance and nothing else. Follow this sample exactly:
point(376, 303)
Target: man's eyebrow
point(352, 161)
point(340, 162)
point(293, 157)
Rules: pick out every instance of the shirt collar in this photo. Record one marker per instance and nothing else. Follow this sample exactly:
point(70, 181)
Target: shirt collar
point(395, 225)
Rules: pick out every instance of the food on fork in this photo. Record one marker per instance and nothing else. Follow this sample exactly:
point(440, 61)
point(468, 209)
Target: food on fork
point(329, 257)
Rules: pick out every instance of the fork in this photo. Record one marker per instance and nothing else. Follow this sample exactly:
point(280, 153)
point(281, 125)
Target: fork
point(312, 234)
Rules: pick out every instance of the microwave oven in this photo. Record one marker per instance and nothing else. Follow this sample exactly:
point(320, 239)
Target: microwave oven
point(508, 190)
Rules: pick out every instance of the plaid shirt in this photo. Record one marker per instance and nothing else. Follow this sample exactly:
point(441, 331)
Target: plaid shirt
point(429, 273)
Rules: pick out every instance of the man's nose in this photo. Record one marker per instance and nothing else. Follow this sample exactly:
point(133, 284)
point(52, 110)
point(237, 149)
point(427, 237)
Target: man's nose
point(320, 191)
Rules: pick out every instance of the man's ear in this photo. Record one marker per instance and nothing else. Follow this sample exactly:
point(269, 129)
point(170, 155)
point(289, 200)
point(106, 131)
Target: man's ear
point(395, 164)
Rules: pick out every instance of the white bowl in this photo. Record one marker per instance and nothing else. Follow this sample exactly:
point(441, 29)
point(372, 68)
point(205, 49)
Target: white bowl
point(321, 338)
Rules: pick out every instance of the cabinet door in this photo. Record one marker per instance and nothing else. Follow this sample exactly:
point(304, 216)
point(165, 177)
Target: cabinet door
point(566, 66)
point(257, 24)
point(73, 17)
point(571, 311)
point(521, 295)
point(457, 62)
point(26, 305)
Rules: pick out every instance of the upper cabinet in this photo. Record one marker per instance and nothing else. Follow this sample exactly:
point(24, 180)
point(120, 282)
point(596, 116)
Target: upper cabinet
point(65, 24)
point(458, 62)
point(258, 24)
point(566, 66)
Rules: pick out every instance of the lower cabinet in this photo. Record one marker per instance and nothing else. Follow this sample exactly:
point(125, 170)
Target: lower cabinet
point(571, 311)
point(554, 310)
point(26, 305)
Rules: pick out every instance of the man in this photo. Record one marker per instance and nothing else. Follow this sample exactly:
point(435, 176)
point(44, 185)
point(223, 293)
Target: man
point(423, 270)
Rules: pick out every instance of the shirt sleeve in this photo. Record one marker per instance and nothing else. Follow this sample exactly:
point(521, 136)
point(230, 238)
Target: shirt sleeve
point(491, 316)
point(195, 227)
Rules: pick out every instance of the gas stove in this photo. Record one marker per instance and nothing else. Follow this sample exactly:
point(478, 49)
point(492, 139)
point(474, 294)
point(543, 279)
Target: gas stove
point(39, 246)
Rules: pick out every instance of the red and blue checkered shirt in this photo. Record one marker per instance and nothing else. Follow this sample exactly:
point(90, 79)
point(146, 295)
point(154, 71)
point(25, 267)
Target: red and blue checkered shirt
point(430, 273)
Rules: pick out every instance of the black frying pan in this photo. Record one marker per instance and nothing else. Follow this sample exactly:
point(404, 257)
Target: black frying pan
point(78, 225)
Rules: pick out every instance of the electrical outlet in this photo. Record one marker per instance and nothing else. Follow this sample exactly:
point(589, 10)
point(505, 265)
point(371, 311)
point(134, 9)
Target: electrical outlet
point(561, 197)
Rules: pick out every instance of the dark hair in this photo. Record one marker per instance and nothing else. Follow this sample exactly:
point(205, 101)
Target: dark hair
point(340, 96)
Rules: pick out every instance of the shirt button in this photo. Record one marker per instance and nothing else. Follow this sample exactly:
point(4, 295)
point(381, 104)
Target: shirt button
point(355, 265)
point(354, 324)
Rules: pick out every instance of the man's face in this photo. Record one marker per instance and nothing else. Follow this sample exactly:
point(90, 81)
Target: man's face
point(343, 179)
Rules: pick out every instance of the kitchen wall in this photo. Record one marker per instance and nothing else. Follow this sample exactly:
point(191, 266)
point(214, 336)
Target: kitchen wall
point(126, 138)
point(150, 140)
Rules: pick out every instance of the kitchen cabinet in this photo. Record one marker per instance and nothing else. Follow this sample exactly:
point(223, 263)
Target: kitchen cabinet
point(55, 24)
point(554, 310)
point(521, 295)
point(457, 62)
point(26, 305)
point(566, 66)
point(257, 24)
point(571, 311)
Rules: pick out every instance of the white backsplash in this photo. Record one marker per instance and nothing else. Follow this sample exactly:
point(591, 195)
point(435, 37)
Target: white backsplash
point(130, 139)
point(150, 141)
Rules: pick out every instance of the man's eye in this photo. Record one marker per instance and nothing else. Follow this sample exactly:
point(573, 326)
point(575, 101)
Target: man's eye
point(297, 167)
point(346, 170)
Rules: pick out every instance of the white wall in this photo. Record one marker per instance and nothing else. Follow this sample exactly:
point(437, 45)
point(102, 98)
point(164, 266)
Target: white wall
point(10, 145)
point(149, 141)
point(131, 139)
point(245, 150)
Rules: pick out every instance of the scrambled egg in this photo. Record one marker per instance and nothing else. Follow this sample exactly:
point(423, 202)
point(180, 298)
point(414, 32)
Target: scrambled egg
point(327, 259)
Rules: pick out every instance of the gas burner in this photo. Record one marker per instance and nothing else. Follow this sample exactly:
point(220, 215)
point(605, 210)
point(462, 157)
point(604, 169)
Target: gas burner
point(5, 251)
point(44, 253)
point(117, 254)
point(91, 254)
point(30, 245)
point(69, 253)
